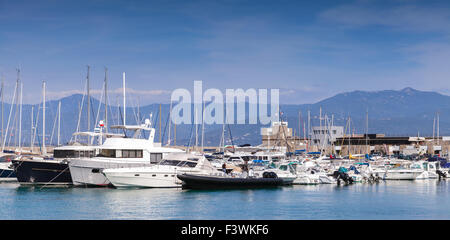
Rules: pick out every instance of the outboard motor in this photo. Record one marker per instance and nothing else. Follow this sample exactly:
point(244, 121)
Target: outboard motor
point(338, 175)
point(441, 174)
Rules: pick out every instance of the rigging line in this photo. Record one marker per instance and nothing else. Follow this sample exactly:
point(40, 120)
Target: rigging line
point(154, 121)
point(190, 135)
point(165, 126)
point(53, 129)
point(55, 177)
point(231, 136)
point(92, 112)
point(9, 117)
point(15, 168)
point(36, 124)
point(99, 106)
point(121, 117)
point(80, 110)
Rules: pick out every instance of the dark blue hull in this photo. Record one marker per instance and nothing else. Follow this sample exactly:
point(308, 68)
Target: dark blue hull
point(208, 182)
point(37, 172)
point(7, 173)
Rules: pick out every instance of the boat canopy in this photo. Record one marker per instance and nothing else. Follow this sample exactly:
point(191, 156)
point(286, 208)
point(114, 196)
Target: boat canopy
point(96, 134)
point(132, 127)
point(313, 153)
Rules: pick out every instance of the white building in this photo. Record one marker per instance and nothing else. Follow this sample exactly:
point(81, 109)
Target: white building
point(325, 136)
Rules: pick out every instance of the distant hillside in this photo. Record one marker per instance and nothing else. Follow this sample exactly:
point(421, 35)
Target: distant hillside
point(404, 112)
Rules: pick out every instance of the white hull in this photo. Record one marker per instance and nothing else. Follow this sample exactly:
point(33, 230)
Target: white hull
point(88, 172)
point(152, 177)
point(150, 180)
point(403, 175)
point(307, 179)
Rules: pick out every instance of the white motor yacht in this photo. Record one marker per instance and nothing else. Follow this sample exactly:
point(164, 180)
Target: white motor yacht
point(124, 152)
point(162, 175)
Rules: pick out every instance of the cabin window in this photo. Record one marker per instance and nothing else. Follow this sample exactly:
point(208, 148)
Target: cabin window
point(191, 164)
point(110, 153)
point(155, 157)
point(63, 154)
point(119, 153)
point(131, 153)
point(171, 162)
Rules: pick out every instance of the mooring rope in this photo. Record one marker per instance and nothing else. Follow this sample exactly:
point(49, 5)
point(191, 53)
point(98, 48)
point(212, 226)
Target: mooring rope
point(55, 177)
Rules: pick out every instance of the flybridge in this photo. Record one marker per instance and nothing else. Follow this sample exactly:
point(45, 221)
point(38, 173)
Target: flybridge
point(220, 110)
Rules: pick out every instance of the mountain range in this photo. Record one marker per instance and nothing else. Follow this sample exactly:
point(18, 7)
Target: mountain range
point(407, 112)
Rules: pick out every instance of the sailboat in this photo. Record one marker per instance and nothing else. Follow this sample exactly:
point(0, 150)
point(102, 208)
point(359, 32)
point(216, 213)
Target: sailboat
point(52, 170)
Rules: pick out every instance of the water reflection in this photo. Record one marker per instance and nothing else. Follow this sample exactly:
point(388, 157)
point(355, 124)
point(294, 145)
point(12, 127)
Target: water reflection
point(425, 199)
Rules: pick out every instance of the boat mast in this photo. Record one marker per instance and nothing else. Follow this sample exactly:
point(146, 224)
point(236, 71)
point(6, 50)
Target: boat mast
point(174, 134)
point(203, 125)
point(88, 103)
point(44, 150)
point(367, 130)
point(31, 129)
point(9, 117)
point(196, 129)
point(106, 100)
point(437, 127)
point(2, 98)
point(124, 100)
point(160, 133)
point(20, 118)
point(170, 122)
point(59, 122)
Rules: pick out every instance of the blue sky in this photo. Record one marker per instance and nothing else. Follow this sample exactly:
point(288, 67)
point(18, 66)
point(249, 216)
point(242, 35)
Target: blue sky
point(309, 49)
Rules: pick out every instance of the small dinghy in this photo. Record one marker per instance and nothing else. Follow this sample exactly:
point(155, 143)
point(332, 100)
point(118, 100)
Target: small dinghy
point(220, 182)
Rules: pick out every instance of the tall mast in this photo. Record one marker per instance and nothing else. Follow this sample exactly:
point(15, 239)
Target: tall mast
point(196, 129)
point(59, 122)
point(203, 125)
point(9, 117)
point(88, 100)
point(124, 100)
point(2, 93)
point(31, 129)
point(174, 134)
point(44, 150)
point(367, 130)
point(299, 126)
point(106, 100)
point(438, 128)
point(170, 123)
point(20, 118)
point(160, 113)
point(434, 126)
point(309, 129)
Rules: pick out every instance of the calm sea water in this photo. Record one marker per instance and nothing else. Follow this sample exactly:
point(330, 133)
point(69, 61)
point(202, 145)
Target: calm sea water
point(428, 199)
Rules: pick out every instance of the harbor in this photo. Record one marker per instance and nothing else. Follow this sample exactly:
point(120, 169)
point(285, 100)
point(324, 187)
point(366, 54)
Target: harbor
point(224, 110)
point(384, 201)
point(120, 162)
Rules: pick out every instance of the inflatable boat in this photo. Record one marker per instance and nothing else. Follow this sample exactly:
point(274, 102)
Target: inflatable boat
point(218, 182)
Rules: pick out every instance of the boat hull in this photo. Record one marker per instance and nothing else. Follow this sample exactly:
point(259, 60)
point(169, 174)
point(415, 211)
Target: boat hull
point(404, 175)
point(144, 180)
point(6, 173)
point(207, 182)
point(89, 172)
point(36, 172)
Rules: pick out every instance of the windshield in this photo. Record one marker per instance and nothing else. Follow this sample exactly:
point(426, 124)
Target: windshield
point(178, 163)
